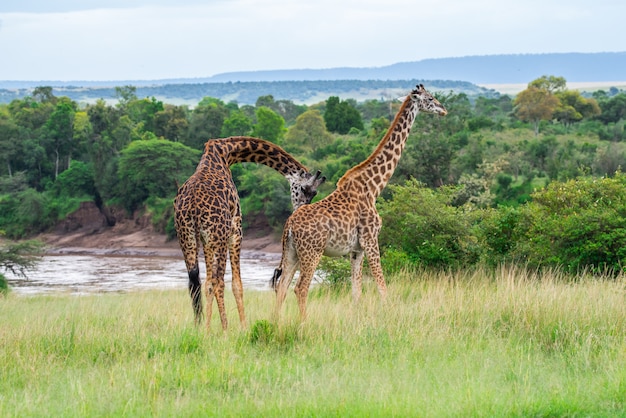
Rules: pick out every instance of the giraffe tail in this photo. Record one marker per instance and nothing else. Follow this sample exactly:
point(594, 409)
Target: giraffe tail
point(276, 278)
point(279, 271)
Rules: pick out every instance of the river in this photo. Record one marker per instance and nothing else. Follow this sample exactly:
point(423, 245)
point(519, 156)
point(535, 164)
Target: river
point(89, 273)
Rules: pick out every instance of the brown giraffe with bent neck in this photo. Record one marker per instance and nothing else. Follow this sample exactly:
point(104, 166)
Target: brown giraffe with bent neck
point(207, 211)
point(346, 221)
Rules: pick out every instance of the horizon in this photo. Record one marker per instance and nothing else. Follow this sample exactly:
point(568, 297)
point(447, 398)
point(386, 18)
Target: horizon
point(115, 40)
point(288, 70)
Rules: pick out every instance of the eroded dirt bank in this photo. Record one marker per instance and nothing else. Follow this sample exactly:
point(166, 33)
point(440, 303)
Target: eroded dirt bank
point(87, 231)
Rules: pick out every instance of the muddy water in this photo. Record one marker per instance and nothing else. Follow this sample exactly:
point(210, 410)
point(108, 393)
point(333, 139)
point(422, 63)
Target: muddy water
point(81, 274)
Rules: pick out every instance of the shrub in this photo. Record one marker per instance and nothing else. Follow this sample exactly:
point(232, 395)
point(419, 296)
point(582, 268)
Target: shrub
point(335, 272)
point(421, 223)
point(579, 224)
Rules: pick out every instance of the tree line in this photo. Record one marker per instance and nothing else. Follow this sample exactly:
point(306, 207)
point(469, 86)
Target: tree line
point(494, 181)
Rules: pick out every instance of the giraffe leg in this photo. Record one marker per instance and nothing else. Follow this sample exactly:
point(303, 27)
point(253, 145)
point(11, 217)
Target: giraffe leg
point(283, 285)
point(307, 270)
point(209, 284)
point(356, 261)
point(208, 295)
point(373, 257)
point(290, 265)
point(235, 255)
point(189, 244)
point(369, 241)
point(219, 267)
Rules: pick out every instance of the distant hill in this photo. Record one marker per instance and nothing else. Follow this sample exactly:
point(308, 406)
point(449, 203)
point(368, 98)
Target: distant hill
point(479, 69)
point(487, 69)
point(460, 74)
point(299, 92)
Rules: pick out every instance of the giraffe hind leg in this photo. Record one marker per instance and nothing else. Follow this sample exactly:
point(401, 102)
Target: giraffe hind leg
point(217, 281)
point(235, 258)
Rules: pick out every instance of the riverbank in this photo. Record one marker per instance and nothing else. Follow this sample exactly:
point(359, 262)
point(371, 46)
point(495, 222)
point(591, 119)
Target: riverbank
point(123, 239)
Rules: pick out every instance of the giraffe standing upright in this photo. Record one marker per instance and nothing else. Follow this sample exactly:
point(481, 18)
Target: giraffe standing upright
point(346, 221)
point(207, 211)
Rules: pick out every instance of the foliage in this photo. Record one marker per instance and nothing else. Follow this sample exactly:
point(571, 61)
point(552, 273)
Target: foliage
point(270, 125)
point(341, 115)
point(309, 132)
point(153, 168)
point(534, 105)
point(264, 192)
point(335, 273)
point(19, 257)
point(578, 225)
point(55, 154)
point(421, 223)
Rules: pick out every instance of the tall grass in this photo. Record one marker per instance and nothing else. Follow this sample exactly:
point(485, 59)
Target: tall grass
point(513, 343)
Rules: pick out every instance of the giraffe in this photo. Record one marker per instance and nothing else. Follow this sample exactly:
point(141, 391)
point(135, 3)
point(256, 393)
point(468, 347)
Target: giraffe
point(207, 211)
point(346, 221)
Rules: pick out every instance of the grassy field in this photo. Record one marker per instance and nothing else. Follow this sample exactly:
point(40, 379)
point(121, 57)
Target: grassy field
point(463, 344)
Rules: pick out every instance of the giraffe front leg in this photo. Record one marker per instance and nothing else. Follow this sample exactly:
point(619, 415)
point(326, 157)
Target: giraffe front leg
point(235, 257)
point(356, 262)
point(369, 241)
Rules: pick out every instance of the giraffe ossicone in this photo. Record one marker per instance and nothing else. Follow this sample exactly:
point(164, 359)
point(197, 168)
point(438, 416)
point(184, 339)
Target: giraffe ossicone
point(346, 221)
point(207, 214)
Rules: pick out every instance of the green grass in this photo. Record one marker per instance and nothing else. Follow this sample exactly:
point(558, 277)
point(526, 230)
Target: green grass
point(463, 344)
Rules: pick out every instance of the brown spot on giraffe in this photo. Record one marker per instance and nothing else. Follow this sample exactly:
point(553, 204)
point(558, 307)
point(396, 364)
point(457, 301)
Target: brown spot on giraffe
point(207, 213)
point(346, 221)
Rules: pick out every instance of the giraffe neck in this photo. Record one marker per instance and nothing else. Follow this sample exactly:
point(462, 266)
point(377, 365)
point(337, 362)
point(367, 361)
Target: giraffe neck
point(239, 149)
point(375, 172)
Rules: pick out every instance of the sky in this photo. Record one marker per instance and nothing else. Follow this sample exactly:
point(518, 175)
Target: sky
point(160, 39)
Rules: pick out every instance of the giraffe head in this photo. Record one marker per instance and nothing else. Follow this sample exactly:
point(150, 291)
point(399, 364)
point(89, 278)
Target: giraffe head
point(426, 102)
point(304, 187)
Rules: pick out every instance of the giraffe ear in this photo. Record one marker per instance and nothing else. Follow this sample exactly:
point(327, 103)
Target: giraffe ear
point(402, 98)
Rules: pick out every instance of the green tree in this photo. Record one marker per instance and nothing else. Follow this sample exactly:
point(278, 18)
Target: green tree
point(237, 124)
point(143, 112)
point(171, 123)
point(60, 131)
point(9, 137)
point(613, 109)
point(269, 126)
point(206, 122)
point(125, 95)
point(153, 168)
point(573, 107)
point(551, 84)
point(341, 116)
point(309, 131)
point(534, 105)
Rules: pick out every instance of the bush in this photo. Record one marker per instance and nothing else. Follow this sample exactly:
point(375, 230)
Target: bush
point(578, 225)
point(336, 273)
point(153, 168)
point(421, 223)
point(78, 180)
